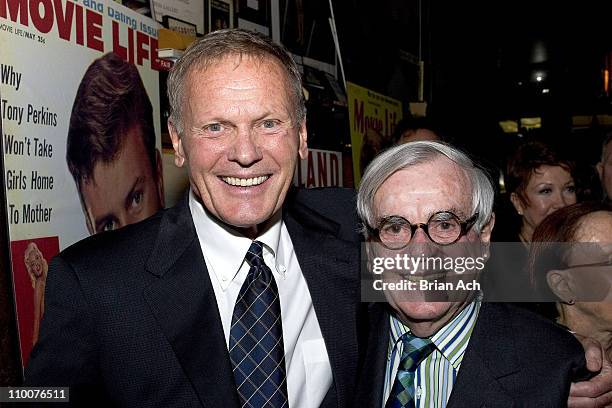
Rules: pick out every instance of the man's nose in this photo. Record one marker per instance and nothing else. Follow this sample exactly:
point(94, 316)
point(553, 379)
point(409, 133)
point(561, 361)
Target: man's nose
point(244, 148)
point(422, 243)
point(420, 237)
point(123, 219)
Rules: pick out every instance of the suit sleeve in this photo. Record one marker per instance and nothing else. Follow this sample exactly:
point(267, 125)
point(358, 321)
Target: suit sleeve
point(579, 370)
point(66, 351)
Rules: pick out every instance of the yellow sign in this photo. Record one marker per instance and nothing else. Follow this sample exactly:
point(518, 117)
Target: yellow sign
point(372, 117)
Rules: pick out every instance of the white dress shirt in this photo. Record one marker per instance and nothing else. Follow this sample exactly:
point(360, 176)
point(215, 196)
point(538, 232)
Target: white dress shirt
point(309, 373)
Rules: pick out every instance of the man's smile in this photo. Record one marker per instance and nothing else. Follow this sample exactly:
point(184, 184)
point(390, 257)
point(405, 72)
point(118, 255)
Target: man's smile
point(245, 182)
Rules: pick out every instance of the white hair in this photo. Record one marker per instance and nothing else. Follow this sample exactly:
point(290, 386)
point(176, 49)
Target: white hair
point(403, 156)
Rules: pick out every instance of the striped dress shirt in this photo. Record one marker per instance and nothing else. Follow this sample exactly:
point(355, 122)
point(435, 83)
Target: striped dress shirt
point(436, 375)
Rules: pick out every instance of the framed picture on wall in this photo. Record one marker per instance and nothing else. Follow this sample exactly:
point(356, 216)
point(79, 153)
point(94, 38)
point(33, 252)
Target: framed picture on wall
point(179, 26)
point(190, 11)
point(305, 31)
point(254, 15)
point(220, 14)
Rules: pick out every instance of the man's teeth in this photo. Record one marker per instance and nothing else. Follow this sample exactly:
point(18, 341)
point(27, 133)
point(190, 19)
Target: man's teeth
point(245, 182)
point(427, 276)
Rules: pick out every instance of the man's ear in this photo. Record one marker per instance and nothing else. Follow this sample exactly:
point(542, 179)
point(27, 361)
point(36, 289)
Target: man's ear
point(303, 141)
point(369, 249)
point(559, 284)
point(177, 144)
point(159, 179)
point(88, 223)
point(485, 232)
point(599, 168)
point(516, 202)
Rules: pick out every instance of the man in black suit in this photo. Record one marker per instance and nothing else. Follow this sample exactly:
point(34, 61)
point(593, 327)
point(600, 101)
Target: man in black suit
point(436, 344)
point(240, 296)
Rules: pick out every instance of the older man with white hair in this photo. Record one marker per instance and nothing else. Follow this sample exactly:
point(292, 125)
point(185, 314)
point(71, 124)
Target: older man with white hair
point(447, 348)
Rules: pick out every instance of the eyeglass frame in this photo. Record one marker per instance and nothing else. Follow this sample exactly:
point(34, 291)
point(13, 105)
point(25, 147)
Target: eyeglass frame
point(464, 225)
point(591, 265)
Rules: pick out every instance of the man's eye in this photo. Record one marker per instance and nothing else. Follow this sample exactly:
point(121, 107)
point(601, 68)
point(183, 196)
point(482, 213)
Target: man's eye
point(445, 225)
point(214, 127)
point(136, 199)
point(109, 226)
point(394, 228)
point(268, 124)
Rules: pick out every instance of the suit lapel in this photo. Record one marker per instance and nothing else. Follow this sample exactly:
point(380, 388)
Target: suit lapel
point(184, 304)
point(374, 364)
point(489, 361)
point(477, 386)
point(330, 267)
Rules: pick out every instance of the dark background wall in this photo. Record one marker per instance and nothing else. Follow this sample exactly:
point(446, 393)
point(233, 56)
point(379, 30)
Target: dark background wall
point(481, 59)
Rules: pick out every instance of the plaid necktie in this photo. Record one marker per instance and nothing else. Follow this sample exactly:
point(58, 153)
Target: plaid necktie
point(416, 350)
point(256, 338)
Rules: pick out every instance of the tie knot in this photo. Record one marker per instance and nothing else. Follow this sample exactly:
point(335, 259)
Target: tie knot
point(416, 349)
point(254, 255)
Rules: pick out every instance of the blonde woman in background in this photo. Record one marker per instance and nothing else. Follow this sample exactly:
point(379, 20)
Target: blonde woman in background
point(37, 268)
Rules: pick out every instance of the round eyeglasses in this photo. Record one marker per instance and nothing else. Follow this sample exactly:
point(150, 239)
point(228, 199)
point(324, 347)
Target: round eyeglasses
point(442, 228)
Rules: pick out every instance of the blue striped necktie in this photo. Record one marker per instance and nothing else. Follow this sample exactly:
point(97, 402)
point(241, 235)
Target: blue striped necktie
point(256, 338)
point(415, 350)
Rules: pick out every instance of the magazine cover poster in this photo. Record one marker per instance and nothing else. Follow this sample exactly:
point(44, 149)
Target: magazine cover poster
point(79, 97)
point(372, 118)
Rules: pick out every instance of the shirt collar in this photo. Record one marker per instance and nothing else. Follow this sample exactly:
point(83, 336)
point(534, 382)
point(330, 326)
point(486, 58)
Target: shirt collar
point(451, 340)
point(225, 248)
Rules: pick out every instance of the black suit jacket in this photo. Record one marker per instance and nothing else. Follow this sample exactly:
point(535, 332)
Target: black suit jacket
point(515, 358)
point(131, 318)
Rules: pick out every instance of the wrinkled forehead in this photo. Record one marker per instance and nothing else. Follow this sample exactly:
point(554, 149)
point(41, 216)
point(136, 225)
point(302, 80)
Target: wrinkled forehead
point(420, 190)
point(237, 76)
point(264, 62)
